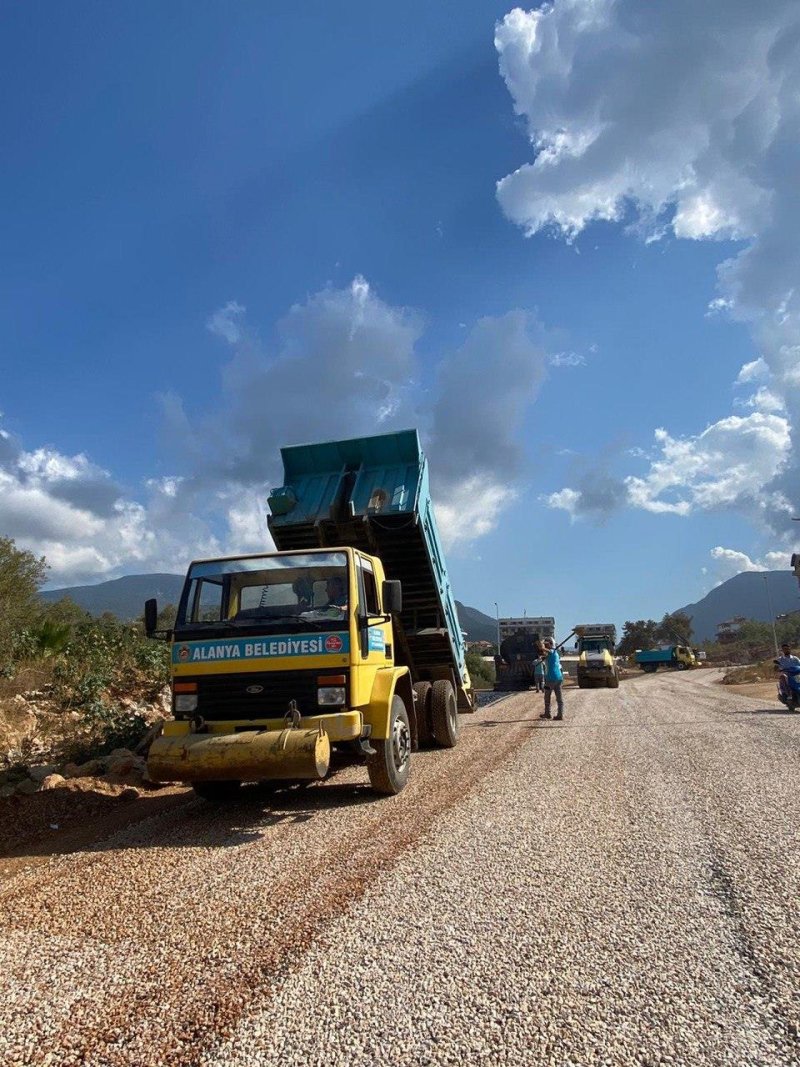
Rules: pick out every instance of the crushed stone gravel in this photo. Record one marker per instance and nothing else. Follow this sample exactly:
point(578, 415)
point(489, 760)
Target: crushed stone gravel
point(617, 888)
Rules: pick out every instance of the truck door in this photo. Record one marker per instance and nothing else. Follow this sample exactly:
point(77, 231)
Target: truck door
point(373, 637)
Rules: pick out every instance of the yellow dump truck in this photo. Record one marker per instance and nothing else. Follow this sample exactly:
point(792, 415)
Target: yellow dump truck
point(346, 638)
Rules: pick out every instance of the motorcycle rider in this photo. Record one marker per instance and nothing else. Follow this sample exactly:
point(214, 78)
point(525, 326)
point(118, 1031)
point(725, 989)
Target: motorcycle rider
point(783, 663)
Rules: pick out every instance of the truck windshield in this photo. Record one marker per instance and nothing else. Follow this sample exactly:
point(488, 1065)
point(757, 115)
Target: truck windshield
point(598, 645)
point(267, 592)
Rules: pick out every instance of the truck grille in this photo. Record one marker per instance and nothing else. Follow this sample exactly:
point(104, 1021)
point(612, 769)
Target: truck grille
point(226, 696)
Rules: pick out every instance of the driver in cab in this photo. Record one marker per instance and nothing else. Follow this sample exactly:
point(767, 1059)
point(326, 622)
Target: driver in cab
point(336, 606)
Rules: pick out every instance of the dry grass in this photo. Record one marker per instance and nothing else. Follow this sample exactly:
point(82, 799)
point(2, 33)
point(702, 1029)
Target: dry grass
point(763, 671)
point(30, 677)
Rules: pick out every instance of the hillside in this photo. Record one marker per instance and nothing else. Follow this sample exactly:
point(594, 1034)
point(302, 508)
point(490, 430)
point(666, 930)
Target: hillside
point(744, 594)
point(125, 597)
point(478, 627)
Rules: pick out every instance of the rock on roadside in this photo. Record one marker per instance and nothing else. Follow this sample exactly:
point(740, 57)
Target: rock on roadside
point(52, 781)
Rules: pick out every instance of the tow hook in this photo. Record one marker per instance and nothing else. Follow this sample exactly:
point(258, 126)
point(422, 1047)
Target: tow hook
point(291, 719)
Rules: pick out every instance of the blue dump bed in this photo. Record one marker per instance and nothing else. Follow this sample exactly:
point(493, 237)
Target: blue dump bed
point(655, 655)
point(372, 493)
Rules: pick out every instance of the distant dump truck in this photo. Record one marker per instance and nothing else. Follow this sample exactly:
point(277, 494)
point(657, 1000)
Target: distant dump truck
point(346, 638)
point(520, 647)
point(675, 657)
point(597, 666)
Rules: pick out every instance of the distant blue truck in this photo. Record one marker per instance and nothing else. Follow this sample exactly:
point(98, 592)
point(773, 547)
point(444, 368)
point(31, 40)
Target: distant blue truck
point(674, 657)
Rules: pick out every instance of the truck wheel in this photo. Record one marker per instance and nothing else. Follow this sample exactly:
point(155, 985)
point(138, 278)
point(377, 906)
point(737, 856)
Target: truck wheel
point(613, 682)
point(389, 766)
point(216, 792)
point(444, 714)
point(422, 692)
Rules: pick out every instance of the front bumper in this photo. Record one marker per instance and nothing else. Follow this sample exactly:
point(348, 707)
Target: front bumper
point(345, 725)
point(250, 750)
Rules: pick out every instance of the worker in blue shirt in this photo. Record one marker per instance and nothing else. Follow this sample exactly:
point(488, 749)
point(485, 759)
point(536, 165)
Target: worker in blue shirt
point(553, 677)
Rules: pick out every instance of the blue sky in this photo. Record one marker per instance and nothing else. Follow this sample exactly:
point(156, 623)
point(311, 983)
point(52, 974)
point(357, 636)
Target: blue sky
point(328, 174)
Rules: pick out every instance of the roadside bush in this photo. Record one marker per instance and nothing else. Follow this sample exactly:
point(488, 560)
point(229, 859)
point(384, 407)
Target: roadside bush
point(481, 673)
point(106, 669)
point(108, 658)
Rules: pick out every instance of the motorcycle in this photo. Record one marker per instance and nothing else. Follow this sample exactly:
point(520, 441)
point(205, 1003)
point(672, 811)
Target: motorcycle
point(791, 698)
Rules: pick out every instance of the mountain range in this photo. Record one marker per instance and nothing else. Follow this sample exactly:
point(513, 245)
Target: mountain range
point(751, 594)
point(125, 597)
point(744, 594)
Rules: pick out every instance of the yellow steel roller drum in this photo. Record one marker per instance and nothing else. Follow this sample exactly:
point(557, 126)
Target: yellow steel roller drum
point(244, 757)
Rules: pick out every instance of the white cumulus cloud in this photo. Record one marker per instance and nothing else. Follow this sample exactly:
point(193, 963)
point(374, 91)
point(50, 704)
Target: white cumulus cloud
point(726, 465)
point(679, 118)
point(752, 371)
point(227, 322)
point(343, 363)
point(730, 561)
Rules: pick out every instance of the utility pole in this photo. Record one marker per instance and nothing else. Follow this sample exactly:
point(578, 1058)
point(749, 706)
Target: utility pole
point(771, 616)
point(497, 613)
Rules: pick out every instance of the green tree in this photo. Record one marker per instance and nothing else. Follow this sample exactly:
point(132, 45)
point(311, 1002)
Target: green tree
point(675, 628)
point(21, 575)
point(65, 610)
point(167, 617)
point(639, 634)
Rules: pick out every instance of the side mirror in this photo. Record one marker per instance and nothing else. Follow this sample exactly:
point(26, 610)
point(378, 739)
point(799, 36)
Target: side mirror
point(392, 597)
point(150, 616)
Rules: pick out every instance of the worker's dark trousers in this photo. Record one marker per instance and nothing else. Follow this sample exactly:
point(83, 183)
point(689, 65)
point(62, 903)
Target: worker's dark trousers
point(553, 687)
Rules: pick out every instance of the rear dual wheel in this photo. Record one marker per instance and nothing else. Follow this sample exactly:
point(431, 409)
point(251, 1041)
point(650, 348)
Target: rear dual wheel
point(444, 714)
point(422, 707)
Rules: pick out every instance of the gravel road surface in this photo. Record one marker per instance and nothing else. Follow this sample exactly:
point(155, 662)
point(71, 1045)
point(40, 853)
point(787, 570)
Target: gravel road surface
point(621, 887)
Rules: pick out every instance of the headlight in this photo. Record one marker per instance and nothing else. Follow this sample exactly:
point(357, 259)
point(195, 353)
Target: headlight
point(185, 702)
point(331, 695)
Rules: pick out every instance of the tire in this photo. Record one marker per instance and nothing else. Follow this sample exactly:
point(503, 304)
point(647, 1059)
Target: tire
point(681, 666)
point(388, 768)
point(422, 693)
point(444, 715)
point(613, 682)
point(217, 792)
